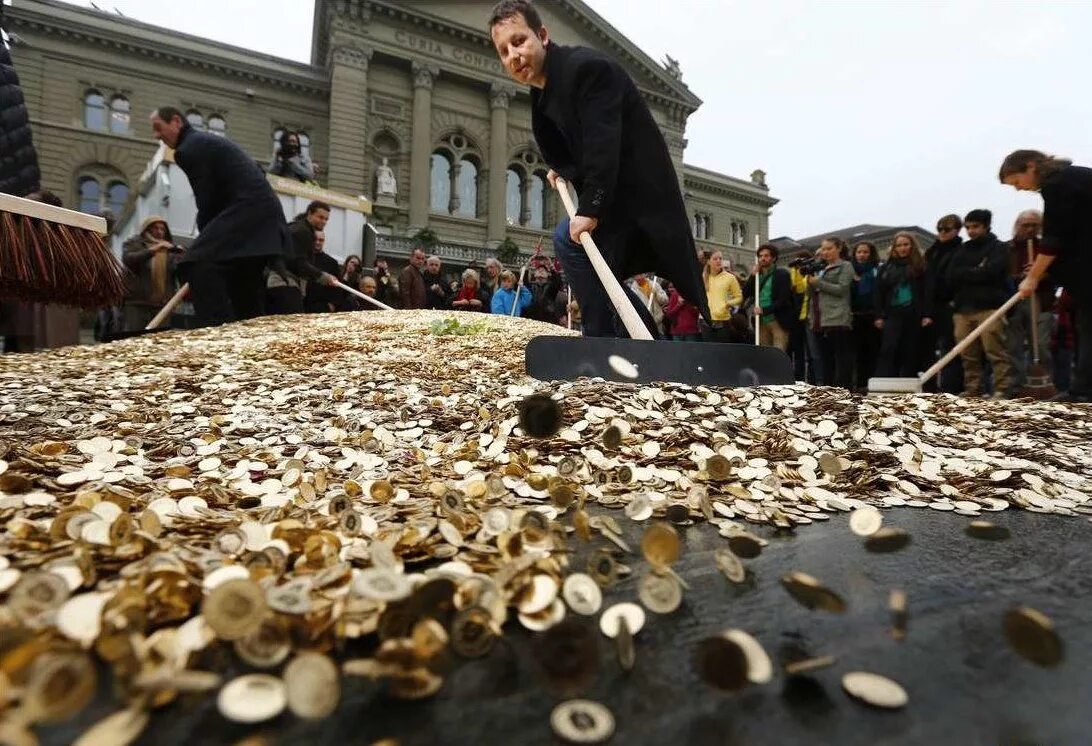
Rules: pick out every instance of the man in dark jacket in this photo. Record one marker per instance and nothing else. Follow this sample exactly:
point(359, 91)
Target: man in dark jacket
point(411, 283)
point(978, 276)
point(239, 217)
point(775, 302)
point(287, 280)
point(322, 296)
point(937, 332)
point(437, 293)
point(18, 162)
point(151, 256)
point(595, 130)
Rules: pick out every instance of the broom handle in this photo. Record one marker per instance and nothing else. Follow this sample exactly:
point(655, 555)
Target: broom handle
point(1034, 310)
point(368, 298)
point(519, 289)
point(975, 334)
point(758, 318)
point(30, 208)
point(167, 310)
point(569, 307)
point(617, 295)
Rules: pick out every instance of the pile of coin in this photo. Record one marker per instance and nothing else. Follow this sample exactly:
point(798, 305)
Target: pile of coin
point(283, 487)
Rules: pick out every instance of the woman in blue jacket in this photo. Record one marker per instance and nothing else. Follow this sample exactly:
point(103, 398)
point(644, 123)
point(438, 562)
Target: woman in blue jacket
point(505, 296)
point(900, 297)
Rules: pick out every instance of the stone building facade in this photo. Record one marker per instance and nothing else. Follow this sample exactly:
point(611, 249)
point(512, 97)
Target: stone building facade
point(413, 86)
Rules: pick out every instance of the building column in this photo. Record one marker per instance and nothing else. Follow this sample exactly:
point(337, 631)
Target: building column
point(347, 171)
point(525, 200)
point(421, 144)
point(499, 96)
point(455, 202)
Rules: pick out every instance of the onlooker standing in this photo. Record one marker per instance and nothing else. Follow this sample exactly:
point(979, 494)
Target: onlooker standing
point(411, 283)
point(437, 292)
point(832, 286)
point(151, 256)
point(470, 297)
point(322, 296)
point(938, 332)
point(1026, 229)
point(978, 276)
point(505, 297)
point(652, 295)
point(1063, 343)
point(544, 286)
point(490, 280)
point(290, 162)
point(684, 317)
point(1067, 243)
point(369, 287)
point(798, 334)
point(386, 286)
point(899, 296)
point(351, 275)
point(866, 335)
point(775, 307)
point(286, 280)
point(724, 295)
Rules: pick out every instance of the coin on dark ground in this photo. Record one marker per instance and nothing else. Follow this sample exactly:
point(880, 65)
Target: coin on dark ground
point(721, 662)
point(987, 530)
point(660, 594)
point(1031, 633)
point(312, 685)
point(812, 594)
point(235, 608)
point(660, 545)
point(728, 563)
point(875, 690)
point(252, 698)
point(744, 545)
point(540, 416)
point(472, 635)
point(887, 539)
point(582, 721)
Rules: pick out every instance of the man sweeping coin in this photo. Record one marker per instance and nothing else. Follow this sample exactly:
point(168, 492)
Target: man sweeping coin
point(596, 132)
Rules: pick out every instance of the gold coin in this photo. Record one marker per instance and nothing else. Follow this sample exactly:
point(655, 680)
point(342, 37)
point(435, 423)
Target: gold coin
point(718, 467)
point(722, 663)
point(252, 698)
point(875, 690)
point(987, 530)
point(865, 521)
point(267, 646)
point(312, 686)
point(472, 634)
point(812, 594)
point(1031, 634)
point(807, 665)
point(339, 504)
point(59, 686)
point(612, 438)
point(540, 416)
point(661, 594)
point(582, 721)
point(660, 545)
point(728, 563)
point(887, 539)
point(37, 593)
point(744, 545)
point(899, 615)
point(381, 491)
point(234, 608)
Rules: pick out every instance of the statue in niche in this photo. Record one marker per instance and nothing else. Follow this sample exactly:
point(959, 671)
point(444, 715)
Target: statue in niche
point(385, 183)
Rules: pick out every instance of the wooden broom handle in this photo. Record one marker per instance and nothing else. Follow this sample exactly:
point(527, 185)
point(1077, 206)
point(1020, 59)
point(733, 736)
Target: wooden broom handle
point(1034, 310)
point(618, 298)
point(519, 289)
point(975, 334)
point(362, 296)
point(52, 214)
point(165, 312)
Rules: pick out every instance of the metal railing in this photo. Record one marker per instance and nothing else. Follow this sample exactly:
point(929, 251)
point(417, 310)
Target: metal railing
point(400, 247)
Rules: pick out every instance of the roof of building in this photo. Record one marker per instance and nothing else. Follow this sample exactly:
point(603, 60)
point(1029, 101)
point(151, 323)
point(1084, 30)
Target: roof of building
point(862, 232)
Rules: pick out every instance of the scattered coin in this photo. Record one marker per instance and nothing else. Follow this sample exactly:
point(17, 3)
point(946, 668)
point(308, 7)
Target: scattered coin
point(660, 545)
point(807, 665)
point(759, 667)
point(987, 530)
point(1031, 633)
point(540, 416)
point(623, 367)
point(610, 620)
point(865, 521)
point(721, 662)
point(582, 721)
point(812, 594)
point(234, 608)
point(744, 545)
point(252, 698)
point(887, 539)
point(899, 615)
point(312, 685)
point(875, 690)
point(728, 563)
point(472, 633)
point(660, 594)
point(582, 594)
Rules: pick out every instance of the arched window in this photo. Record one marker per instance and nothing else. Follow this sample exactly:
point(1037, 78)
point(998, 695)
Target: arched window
point(513, 198)
point(305, 144)
point(440, 191)
point(90, 195)
point(119, 115)
point(217, 125)
point(468, 189)
point(94, 111)
point(116, 194)
point(537, 197)
point(195, 119)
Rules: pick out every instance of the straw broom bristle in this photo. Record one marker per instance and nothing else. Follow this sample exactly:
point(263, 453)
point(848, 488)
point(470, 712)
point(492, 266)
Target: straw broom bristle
point(48, 262)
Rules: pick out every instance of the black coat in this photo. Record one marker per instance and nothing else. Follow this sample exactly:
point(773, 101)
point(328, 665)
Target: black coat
point(238, 214)
point(978, 274)
point(436, 301)
point(784, 310)
point(320, 297)
point(300, 262)
point(1067, 228)
point(19, 173)
point(892, 274)
point(938, 295)
point(596, 131)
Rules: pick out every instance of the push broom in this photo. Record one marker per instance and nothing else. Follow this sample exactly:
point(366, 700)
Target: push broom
point(52, 255)
point(1038, 384)
point(895, 386)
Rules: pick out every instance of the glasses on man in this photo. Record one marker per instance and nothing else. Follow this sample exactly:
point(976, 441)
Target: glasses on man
point(946, 228)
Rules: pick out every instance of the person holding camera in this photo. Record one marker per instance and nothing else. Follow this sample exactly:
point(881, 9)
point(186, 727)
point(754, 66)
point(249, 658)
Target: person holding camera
point(290, 161)
point(150, 256)
point(832, 316)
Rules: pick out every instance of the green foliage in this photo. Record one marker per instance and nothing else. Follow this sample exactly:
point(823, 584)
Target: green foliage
point(426, 238)
point(508, 252)
point(451, 327)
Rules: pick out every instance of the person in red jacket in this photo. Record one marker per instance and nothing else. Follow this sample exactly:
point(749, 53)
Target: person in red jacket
point(684, 317)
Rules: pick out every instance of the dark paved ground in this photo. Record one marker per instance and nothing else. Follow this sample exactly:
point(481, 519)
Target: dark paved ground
point(965, 686)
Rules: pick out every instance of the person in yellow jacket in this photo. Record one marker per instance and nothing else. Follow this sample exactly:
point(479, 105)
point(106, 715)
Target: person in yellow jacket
point(725, 296)
point(798, 343)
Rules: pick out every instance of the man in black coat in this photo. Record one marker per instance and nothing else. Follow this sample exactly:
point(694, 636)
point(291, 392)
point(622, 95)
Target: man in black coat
point(937, 330)
point(19, 173)
point(322, 296)
point(240, 220)
point(595, 130)
point(775, 299)
point(287, 279)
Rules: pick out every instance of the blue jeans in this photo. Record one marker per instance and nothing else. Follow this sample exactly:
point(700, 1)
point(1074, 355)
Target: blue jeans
point(596, 310)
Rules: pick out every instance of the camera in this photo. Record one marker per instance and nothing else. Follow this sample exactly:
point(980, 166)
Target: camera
point(808, 266)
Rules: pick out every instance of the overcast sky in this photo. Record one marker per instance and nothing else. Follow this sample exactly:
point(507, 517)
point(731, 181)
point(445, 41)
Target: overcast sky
point(888, 112)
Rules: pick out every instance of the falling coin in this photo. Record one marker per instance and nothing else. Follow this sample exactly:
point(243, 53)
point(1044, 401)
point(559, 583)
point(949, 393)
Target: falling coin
point(987, 530)
point(875, 690)
point(59, 686)
point(812, 594)
point(660, 545)
point(807, 665)
point(759, 667)
point(623, 367)
point(472, 634)
point(624, 646)
point(252, 698)
point(612, 437)
point(1031, 634)
point(582, 721)
point(887, 539)
point(582, 594)
point(540, 416)
point(744, 545)
point(728, 563)
point(381, 584)
point(312, 685)
point(899, 615)
point(639, 508)
point(235, 608)
point(634, 616)
point(721, 662)
point(865, 521)
point(661, 594)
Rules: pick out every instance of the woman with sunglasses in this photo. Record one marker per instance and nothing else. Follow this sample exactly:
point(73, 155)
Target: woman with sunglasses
point(1066, 248)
